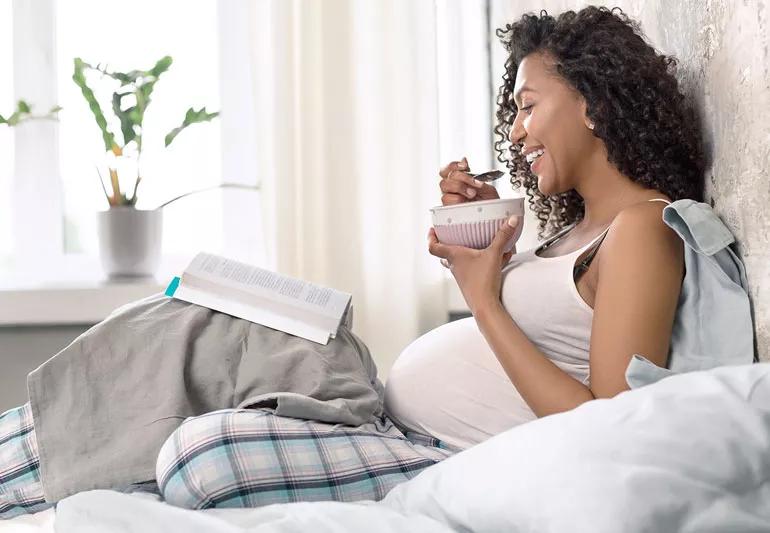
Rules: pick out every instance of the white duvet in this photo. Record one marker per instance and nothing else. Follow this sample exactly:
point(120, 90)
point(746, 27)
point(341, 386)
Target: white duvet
point(102, 511)
point(690, 453)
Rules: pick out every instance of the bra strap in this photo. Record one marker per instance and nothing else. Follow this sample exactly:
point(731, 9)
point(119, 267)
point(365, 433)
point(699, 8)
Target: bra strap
point(583, 265)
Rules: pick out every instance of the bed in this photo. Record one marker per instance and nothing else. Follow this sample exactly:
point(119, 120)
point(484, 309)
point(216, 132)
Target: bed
point(688, 453)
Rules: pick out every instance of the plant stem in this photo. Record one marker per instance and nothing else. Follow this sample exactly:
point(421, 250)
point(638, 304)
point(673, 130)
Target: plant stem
point(115, 185)
point(136, 186)
point(223, 185)
point(101, 182)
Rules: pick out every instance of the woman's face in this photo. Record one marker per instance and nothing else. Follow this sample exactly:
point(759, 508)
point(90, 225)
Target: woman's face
point(551, 115)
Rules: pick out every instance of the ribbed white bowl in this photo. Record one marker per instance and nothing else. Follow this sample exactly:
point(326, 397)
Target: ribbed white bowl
point(474, 224)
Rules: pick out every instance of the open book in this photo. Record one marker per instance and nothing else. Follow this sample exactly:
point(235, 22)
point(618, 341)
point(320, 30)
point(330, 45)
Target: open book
point(288, 304)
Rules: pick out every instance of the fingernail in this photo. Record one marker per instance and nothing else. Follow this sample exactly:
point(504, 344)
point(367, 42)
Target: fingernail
point(478, 183)
point(471, 192)
point(513, 221)
point(462, 164)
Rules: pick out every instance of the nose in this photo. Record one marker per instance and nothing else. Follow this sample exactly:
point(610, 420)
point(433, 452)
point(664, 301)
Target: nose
point(517, 133)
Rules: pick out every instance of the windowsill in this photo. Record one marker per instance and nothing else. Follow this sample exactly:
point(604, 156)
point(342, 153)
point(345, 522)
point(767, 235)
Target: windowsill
point(76, 293)
point(69, 303)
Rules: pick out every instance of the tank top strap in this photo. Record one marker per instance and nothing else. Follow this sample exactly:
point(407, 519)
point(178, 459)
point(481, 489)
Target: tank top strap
point(600, 236)
point(553, 238)
point(559, 235)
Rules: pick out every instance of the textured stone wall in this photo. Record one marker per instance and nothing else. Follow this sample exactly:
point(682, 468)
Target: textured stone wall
point(724, 65)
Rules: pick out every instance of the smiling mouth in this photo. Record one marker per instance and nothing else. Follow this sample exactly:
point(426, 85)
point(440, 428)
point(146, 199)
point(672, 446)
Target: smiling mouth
point(533, 157)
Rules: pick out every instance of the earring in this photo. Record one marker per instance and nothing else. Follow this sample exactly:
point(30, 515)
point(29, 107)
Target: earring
point(591, 126)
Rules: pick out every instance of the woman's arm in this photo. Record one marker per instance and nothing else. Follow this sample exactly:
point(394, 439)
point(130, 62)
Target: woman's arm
point(640, 275)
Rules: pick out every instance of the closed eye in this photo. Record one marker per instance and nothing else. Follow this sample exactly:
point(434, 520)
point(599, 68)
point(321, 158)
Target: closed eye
point(527, 109)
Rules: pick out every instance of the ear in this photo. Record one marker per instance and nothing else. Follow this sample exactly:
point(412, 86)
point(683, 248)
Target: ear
point(584, 113)
point(582, 110)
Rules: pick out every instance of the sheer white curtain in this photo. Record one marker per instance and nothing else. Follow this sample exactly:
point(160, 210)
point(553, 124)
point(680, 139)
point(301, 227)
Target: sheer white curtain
point(345, 99)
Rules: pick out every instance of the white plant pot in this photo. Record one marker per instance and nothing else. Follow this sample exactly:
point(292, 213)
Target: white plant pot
point(130, 241)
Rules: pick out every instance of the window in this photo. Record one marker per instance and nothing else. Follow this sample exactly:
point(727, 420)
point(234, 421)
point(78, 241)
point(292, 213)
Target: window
point(465, 95)
point(7, 104)
point(48, 204)
point(135, 39)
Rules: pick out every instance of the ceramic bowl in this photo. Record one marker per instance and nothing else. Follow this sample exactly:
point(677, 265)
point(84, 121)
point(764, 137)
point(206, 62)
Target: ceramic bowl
point(474, 224)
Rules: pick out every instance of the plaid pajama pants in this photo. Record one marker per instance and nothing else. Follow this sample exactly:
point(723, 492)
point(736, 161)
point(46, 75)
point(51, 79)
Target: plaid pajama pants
point(243, 458)
point(20, 488)
point(252, 457)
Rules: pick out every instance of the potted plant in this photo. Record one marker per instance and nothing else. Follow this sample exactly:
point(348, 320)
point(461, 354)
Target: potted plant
point(129, 238)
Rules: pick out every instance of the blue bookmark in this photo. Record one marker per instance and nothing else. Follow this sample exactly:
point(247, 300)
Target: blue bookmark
point(171, 289)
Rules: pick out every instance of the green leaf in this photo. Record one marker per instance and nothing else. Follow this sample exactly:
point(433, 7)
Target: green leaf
point(144, 90)
point(126, 117)
point(161, 66)
point(140, 83)
point(23, 113)
point(132, 77)
point(190, 118)
point(126, 78)
point(79, 78)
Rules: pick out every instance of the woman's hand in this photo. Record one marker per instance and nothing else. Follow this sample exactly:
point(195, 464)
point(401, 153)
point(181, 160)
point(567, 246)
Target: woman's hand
point(478, 272)
point(457, 186)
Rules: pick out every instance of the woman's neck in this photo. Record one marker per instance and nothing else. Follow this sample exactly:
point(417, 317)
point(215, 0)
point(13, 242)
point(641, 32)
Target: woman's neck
point(605, 198)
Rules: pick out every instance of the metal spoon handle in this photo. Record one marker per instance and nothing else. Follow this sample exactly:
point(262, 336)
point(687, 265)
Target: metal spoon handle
point(489, 176)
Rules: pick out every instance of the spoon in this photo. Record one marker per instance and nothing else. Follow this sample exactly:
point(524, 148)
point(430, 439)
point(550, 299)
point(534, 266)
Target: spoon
point(488, 176)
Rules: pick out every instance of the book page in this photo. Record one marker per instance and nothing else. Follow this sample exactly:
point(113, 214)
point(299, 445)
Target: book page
point(231, 292)
point(258, 315)
point(323, 300)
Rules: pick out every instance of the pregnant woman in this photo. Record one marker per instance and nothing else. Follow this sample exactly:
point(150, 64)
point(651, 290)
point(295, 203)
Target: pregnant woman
point(592, 124)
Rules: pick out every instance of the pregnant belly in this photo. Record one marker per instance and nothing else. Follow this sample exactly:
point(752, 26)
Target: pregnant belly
point(449, 384)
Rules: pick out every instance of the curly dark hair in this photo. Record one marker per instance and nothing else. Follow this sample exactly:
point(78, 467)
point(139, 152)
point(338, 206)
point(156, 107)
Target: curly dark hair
point(632, 95)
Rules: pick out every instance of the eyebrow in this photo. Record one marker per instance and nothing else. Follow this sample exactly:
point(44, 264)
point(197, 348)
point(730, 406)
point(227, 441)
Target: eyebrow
point(522, 90)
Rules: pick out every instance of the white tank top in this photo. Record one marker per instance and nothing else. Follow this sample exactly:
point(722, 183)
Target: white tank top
point(449, 384)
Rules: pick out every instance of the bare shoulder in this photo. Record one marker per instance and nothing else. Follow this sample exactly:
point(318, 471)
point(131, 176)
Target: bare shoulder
point(639, 233)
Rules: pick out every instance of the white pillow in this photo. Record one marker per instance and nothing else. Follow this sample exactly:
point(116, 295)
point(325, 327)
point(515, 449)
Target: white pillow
point(688, 453)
